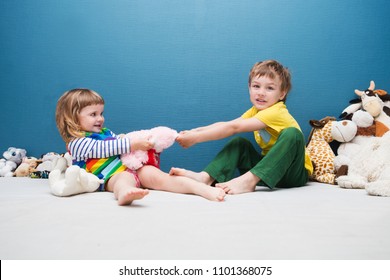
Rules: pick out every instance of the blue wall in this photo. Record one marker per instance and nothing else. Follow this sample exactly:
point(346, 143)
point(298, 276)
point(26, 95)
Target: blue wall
point(181, 63)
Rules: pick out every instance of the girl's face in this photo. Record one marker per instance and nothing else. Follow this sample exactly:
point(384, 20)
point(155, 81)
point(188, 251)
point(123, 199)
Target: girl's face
point(265, 92)
point(91, 118)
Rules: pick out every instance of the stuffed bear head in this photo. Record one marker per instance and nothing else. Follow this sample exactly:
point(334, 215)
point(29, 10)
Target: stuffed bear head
point(15, 155)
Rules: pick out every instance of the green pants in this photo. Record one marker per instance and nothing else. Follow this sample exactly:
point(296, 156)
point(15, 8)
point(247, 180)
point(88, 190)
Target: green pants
point(283, 166)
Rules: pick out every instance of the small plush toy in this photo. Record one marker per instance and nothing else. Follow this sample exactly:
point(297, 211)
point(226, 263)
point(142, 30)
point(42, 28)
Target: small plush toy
point(370, 168)
point(374, 101)
point(67, 181)
point(163, 137)
point(27, 166)
point(12, 158)
point(48, 161)
point(320, 152)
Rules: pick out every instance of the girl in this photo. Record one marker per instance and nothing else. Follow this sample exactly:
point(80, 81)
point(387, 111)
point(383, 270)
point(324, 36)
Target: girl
point(80, 121)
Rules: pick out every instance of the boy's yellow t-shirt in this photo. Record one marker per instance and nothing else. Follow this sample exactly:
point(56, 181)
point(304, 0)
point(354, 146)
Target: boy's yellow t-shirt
point(276, 119)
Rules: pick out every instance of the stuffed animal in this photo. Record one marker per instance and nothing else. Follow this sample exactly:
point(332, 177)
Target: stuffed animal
point(48, 161)
point(376, 103)
point(370, 168)
point(361, 127)
point(163, 137)
point(12, 158)
point(27, 166)
point(320, 152)
point(67, 181)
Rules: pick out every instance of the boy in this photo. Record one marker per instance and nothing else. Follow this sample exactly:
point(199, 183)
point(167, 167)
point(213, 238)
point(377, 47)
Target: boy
point(283, 161)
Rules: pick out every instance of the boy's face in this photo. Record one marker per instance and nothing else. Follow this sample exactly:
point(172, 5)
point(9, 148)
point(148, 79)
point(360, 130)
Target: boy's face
point(91, 118)
point(265, 92)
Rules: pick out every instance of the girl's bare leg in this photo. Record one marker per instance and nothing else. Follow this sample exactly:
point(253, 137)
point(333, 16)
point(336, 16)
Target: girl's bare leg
point(202, 176)
point(123, 185)
point(243, 184)
point(153, 178)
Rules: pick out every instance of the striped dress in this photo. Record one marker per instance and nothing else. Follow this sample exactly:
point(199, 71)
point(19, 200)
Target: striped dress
point(98, 153)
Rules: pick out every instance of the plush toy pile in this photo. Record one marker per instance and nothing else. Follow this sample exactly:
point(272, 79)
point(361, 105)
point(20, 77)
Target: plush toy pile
point(363, 157)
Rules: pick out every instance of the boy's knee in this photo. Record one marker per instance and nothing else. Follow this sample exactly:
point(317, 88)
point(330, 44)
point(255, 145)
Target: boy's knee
point(292, 134)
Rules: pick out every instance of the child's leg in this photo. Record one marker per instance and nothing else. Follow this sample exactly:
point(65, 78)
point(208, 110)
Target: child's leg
point(123, 185)
point(284, 165)
point(153, 178)
point(238, 153)
point(202, 176)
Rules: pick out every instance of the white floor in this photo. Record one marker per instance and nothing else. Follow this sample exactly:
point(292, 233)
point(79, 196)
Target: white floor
point(316, 222)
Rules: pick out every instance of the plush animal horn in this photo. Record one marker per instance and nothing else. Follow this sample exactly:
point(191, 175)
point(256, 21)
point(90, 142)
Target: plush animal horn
point(359, 92)
point(372, 85)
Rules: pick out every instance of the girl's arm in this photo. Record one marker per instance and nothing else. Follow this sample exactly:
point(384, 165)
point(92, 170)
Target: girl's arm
point(84, 148)
point(218, 131)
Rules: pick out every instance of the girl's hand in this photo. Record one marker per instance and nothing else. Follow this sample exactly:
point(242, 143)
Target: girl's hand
point(142, 144)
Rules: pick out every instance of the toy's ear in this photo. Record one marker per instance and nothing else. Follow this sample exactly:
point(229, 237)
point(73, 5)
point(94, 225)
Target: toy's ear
point(380, 92)
point(315, 124)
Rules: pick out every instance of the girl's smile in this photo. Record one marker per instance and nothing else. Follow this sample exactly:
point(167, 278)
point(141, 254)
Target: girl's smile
point(91, 118)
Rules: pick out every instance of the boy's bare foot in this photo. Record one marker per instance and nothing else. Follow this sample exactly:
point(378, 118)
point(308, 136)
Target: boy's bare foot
point(243, 184)
point(126, 196)
point(202, 176)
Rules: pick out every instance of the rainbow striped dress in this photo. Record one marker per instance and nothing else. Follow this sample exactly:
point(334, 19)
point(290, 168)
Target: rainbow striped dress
point(98, 153)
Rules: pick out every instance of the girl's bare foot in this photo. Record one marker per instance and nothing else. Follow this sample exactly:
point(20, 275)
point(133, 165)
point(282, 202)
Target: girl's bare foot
point(202, 176)
point(243, 184)
point(126, 195)
point(211, 193)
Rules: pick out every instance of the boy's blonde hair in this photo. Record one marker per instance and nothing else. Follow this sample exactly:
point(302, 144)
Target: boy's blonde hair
point(68, 109)
point(271, 68)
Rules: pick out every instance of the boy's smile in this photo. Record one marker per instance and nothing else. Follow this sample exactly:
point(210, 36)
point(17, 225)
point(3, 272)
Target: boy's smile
point(265, 92)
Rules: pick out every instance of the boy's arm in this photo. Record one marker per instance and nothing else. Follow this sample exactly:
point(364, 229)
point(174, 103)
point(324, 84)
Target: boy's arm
point(207, 127)
point(218, 131)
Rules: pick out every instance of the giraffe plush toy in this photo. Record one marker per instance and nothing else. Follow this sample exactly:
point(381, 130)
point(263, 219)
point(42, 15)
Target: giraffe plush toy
point(320, 152)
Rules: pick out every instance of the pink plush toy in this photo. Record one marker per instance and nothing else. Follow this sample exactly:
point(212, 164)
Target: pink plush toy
point(163, 137)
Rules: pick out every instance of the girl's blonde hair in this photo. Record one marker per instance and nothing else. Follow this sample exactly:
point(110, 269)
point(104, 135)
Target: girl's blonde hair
point(271, 68)
point(68, 109)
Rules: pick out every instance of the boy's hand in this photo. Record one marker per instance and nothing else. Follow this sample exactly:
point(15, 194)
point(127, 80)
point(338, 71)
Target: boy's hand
point(186, 138)
point(142, 144)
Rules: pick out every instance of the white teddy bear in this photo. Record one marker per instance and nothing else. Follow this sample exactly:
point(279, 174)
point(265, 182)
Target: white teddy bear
point(360, 125)
point(12, 158)
point(49, 161)
point(67, 181)
point(370, 167)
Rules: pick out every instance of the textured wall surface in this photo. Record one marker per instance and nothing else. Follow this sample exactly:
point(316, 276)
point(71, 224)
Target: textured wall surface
point(181, 63)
